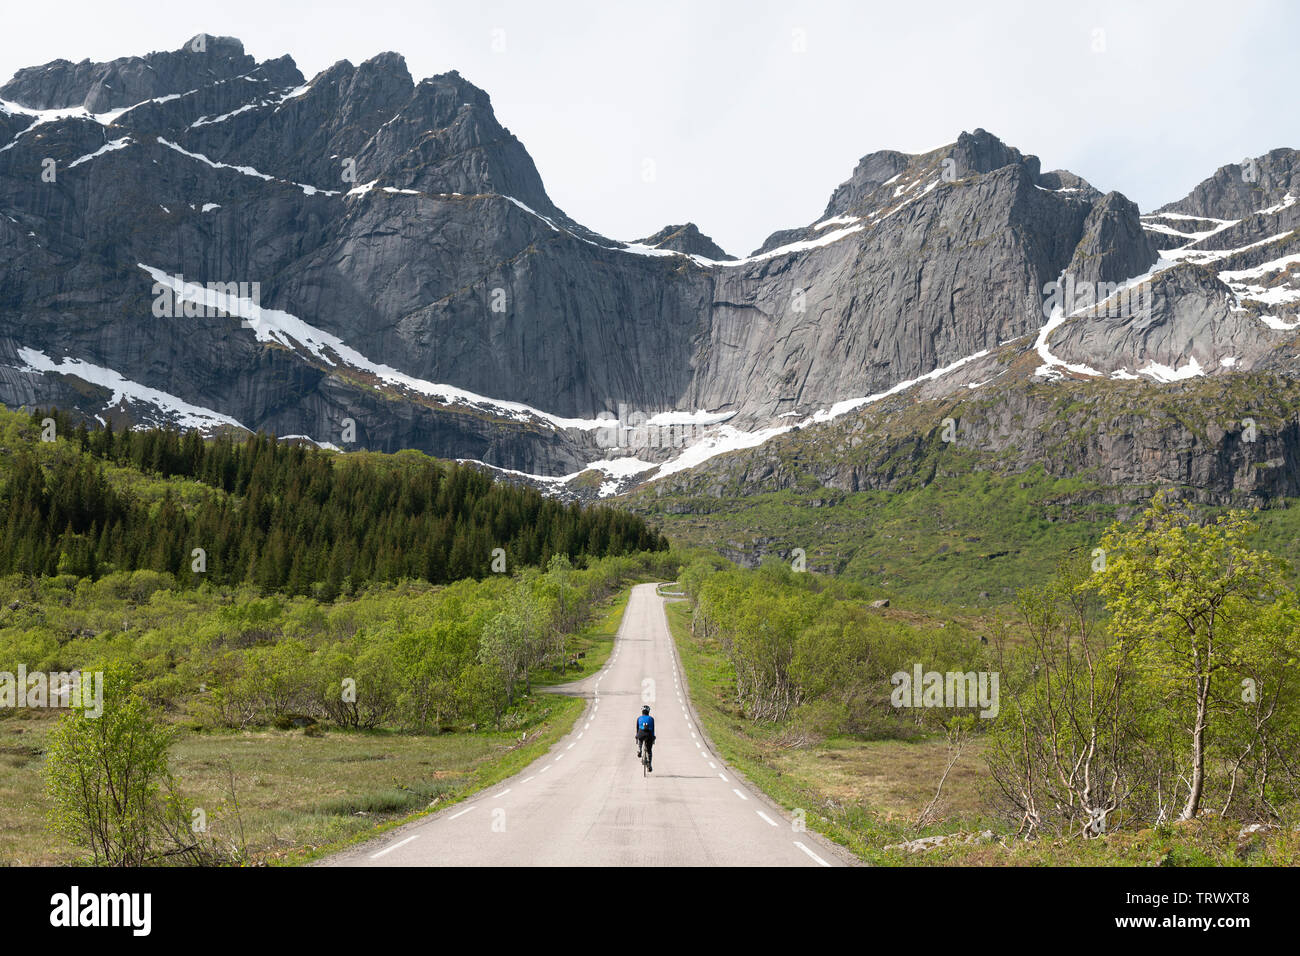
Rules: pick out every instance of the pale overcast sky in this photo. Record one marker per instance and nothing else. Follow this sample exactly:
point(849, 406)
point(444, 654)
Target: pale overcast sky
point(752, 112)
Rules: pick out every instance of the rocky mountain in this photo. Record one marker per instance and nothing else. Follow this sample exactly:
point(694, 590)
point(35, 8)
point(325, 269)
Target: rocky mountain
point(687, 239)
point(371, 261)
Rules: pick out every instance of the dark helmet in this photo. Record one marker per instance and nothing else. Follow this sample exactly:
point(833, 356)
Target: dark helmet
point(645, 709)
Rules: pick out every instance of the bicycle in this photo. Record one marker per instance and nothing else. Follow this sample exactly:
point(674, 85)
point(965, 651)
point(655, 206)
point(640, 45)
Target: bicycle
point(645, 761)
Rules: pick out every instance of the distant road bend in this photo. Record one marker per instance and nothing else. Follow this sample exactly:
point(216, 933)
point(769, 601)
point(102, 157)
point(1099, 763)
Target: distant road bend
point(585, 803)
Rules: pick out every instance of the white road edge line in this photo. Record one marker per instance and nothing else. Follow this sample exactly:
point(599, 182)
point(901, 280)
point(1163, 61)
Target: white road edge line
point(375, 856)
point(461, 814)
point(739, 794)
point(766, 817)
point(811, 853)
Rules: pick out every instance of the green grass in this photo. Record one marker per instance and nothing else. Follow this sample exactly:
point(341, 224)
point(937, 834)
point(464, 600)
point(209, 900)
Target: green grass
point(298, 796)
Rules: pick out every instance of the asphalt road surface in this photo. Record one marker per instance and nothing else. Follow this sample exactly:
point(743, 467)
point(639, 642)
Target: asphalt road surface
point(586, 802)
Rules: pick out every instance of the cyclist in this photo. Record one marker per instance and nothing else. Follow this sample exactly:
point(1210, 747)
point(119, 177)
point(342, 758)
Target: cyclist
point(645, 736)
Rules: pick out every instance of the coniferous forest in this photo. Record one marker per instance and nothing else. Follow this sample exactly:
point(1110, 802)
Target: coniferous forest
point(280, 516)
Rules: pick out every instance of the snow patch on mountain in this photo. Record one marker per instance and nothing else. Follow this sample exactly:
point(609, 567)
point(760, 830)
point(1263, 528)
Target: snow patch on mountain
point(243, 170)
point(107, 118)
point(848, 405)
point(836, 221)
point(109, 147)
point(176, 411)
point(1164, 373)
point(717, 438)
point(284, 328)
point(1274, 292)
point(1287, 202)
point(724, 439)
point(1054, 366)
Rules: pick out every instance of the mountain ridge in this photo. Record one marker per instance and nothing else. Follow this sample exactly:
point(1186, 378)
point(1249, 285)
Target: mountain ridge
point(420, 282)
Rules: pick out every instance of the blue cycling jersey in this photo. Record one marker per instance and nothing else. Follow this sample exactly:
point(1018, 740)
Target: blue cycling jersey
point(645, 723)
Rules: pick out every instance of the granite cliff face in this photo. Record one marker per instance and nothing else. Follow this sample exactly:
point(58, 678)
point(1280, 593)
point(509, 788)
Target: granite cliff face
point(945, 257)
point(372, 261)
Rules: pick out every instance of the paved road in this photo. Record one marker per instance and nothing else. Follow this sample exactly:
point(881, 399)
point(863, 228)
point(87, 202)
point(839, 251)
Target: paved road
point(586, 802)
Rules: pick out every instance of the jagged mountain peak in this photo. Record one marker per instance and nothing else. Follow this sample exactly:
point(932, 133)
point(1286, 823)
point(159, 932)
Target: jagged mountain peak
point(886, 181)
point(1114, 246)
point(447, 93)
point(206, 44)
point(982, 152)
point(872, 171)
point(1064, 181)
point(1240, 190)
point(116, 84)
point(388, 60)
point(972, 153)
point(349, 125)
point(445, 138)
point(688, 239)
